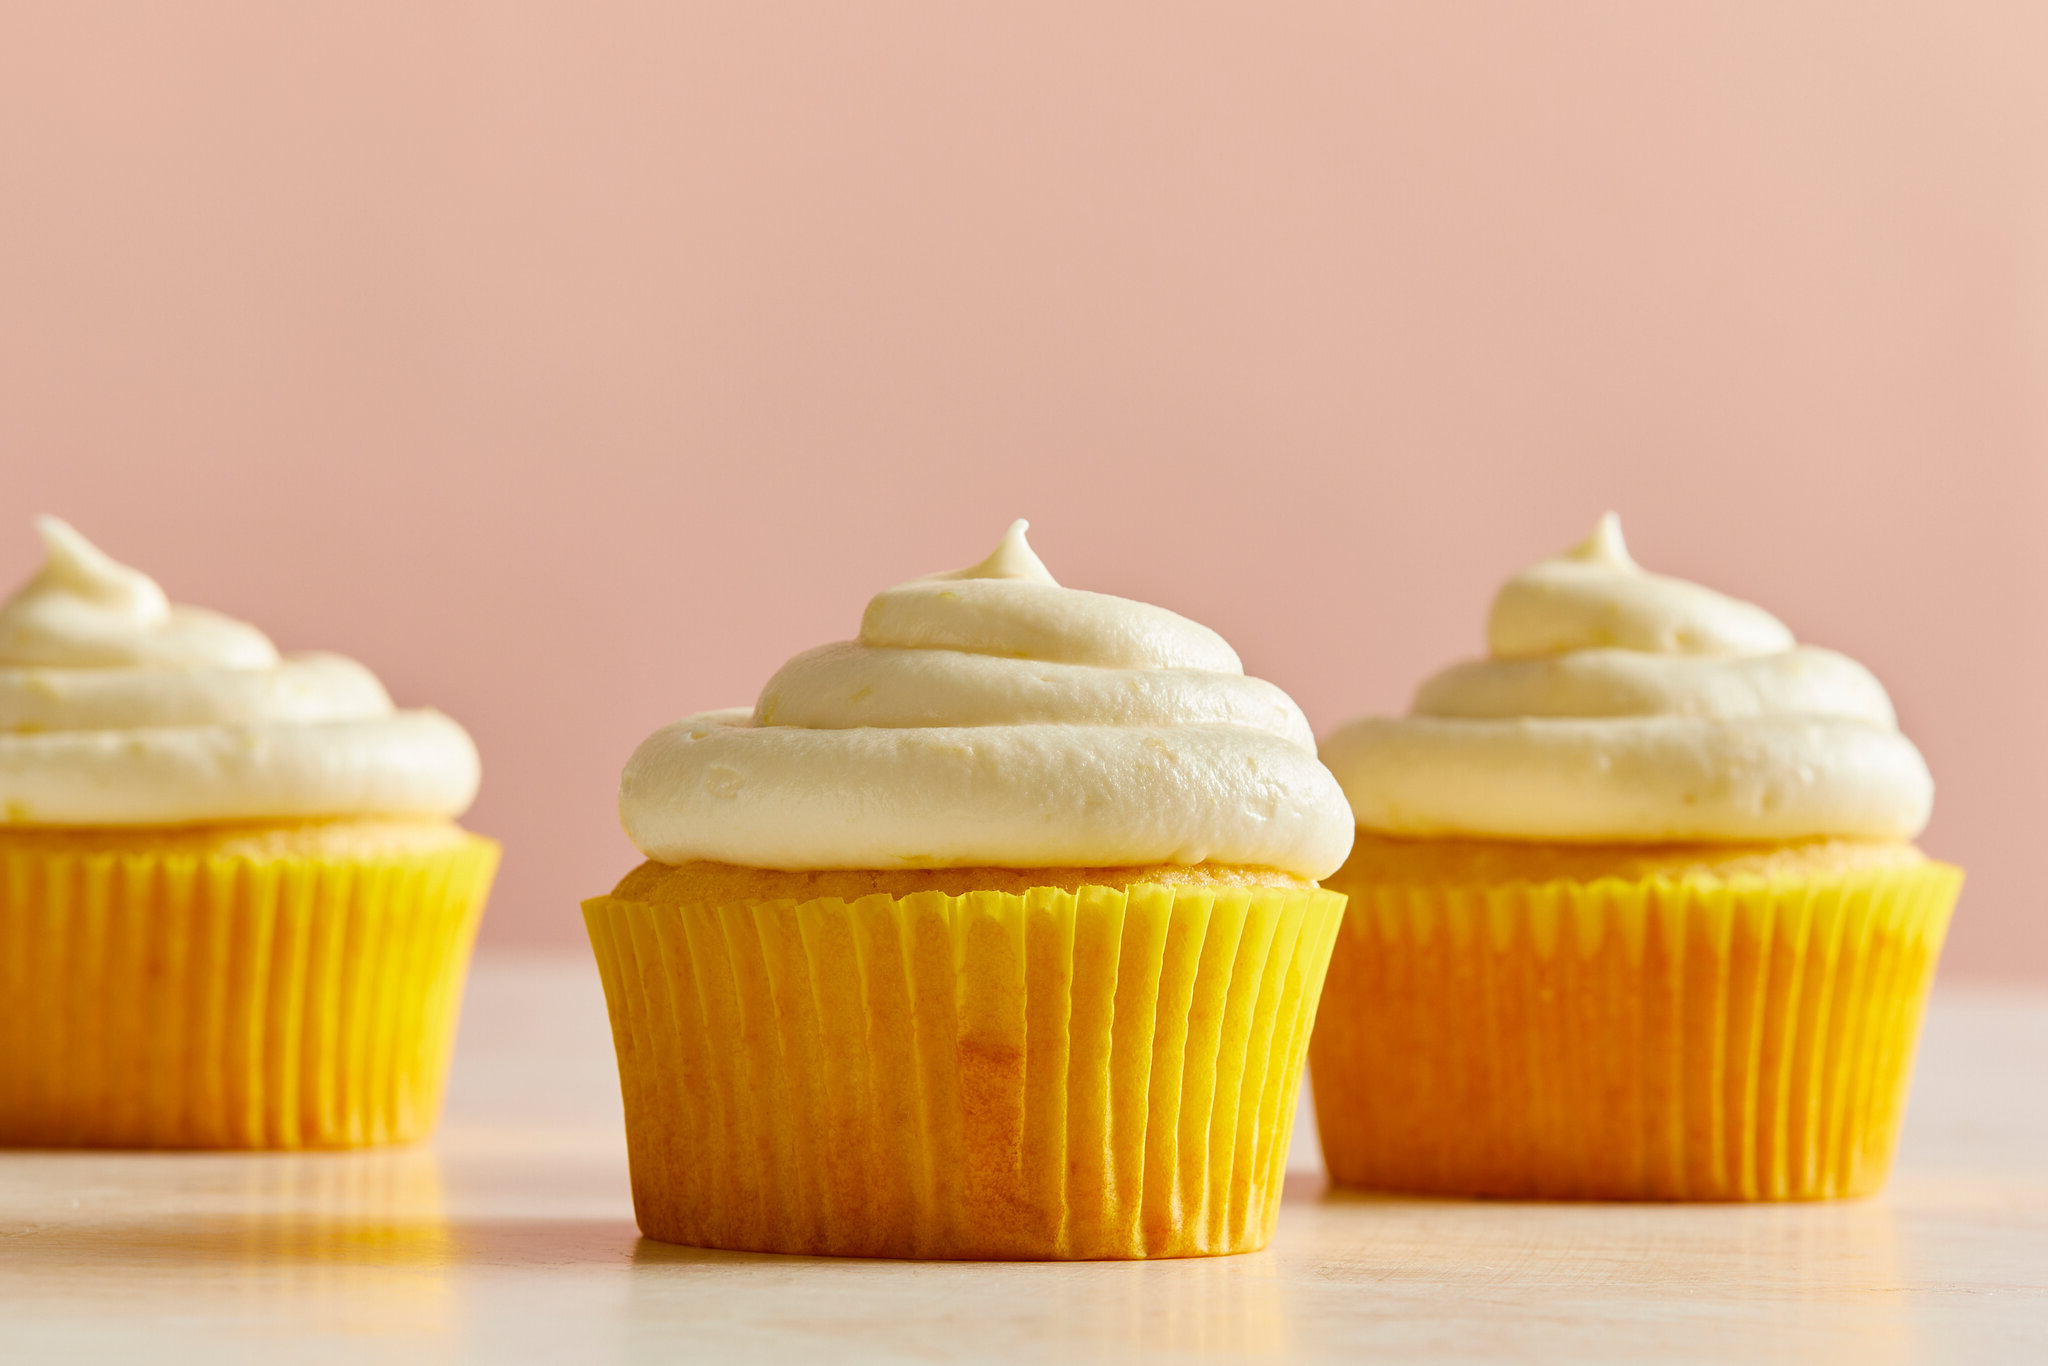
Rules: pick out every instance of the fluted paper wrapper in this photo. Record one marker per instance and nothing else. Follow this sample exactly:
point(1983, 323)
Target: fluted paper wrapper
point(182, 1001)
point(1658, 1040)
point(1092, 1074)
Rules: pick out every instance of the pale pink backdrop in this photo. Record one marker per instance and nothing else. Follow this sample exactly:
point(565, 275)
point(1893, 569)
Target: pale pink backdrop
point(574, 364)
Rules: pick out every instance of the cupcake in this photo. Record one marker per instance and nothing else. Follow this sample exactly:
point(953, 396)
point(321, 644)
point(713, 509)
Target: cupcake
point(991, 934)
point(235, 911)
point(1635, 911)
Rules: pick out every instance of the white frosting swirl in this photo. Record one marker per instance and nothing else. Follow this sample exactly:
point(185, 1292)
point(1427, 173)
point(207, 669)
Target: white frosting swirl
point(118, 708)
point(1626, 707)
point(990, 717)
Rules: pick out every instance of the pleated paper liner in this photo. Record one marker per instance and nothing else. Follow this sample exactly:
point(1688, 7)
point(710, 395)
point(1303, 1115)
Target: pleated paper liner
point(195, 1001)
point(1657, 1040)
point(1095, 1074)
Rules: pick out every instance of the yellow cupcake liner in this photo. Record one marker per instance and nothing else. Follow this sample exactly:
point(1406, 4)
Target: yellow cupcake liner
point(1106, 1073)
point(1658, 1039)
point(203, 1001)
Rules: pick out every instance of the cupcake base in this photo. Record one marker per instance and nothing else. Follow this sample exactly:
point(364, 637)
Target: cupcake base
point(1651, 1038)
point(294, 987)
point(1102, 1072)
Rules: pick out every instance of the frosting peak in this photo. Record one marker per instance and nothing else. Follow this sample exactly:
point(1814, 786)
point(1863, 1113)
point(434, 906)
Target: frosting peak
point(119, 708)
point(1010, 605)
point(1605, 546)
point(85, 610)
point(1594, 595)
point(73, 563)
point(991, 717)
point(1623, 706)
point(1013, 559)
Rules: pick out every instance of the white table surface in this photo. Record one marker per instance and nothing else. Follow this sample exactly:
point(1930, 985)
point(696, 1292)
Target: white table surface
point(511, 1239)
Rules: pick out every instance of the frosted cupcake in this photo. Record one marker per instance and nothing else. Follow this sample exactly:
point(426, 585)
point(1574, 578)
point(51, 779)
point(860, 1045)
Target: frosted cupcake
point(1635, 909)
point(993, 933)
point(235, 911)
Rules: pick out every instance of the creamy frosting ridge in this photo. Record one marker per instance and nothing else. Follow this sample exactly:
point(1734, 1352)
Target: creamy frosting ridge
point(1623, 706)
point(991, 717)
point(119, 708)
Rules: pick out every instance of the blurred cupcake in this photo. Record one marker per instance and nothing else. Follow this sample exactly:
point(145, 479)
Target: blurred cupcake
point(1635, 911)
point(234, 909)
point(993, 933)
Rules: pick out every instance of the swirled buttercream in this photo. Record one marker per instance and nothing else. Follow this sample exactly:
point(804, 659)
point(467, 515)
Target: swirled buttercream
point(990, 717)
point(1627, 707)
point(119, 708)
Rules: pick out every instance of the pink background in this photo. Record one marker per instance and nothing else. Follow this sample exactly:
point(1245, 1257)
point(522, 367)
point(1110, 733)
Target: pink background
point(575, 364)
